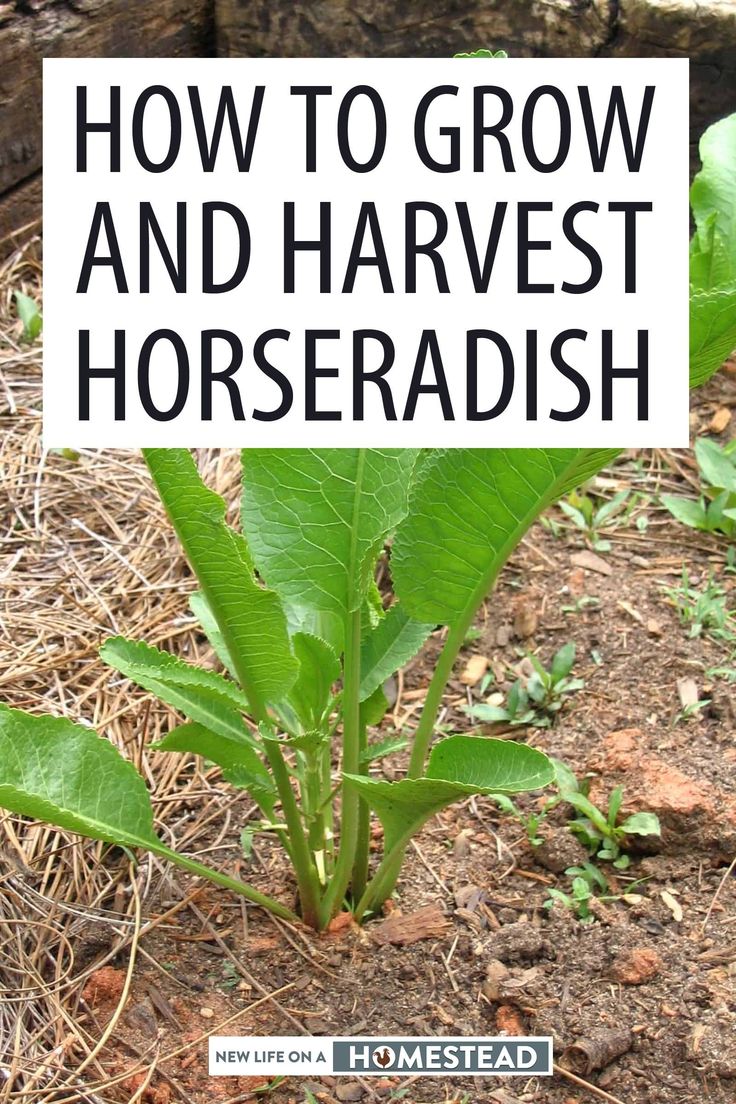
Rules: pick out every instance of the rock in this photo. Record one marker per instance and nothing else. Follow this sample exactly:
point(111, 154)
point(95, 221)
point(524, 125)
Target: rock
point(509, 1020)
point(693, 813)
point(526, 620)
point(350, 1091)
point(560, 850)
point(636, 966)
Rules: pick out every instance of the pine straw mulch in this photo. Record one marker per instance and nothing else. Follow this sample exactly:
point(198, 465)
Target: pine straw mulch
point(84, 554)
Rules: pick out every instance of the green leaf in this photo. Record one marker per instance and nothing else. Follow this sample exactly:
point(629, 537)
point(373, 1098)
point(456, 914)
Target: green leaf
point(564, 778)
point(382, 748)
point(614, 805)
point(583, 805)
point(483, 54)
point(316, 519)
point(562, 662)
point(240, 764)
point(468, 509)
point(487, 714)
point(458, 766)
point(69, 776)
point(712, 331)
point(29, 315)
point(687, 510)
point(319, 668)
point(201, 610)
point(395, 640)
point(713, 192)
point(373, 709)
point(642, 824)
point(718, 469)
point(205, 696)
point(250, 618)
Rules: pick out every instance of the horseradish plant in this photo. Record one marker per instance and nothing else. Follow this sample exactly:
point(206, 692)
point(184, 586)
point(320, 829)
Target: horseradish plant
point(290, 606)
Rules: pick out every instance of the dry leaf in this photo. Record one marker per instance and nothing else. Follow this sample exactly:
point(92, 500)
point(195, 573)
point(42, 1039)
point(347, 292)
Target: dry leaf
point(673, 905)
point(474, 671)
point(591, 562)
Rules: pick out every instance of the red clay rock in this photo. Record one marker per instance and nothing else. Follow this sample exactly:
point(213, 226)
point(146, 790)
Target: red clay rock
point(693, 813)
point(104, 986)
point(509, 1021)
point(636, 966)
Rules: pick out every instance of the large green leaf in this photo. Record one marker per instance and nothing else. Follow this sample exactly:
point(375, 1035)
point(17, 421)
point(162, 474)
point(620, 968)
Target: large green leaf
point(391, 644)
point(712, 331)
point(240, 764)
point(713, 202)
point(68, 776)
point(458, 766)
point(713, 253)
point(249, 617)
point(468, 510)
point(205, 696)
point(315, 519)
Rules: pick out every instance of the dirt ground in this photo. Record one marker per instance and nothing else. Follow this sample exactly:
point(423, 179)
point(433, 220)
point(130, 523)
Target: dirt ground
point(650, 982)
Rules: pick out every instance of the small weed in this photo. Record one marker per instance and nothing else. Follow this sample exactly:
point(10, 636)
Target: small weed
point(29, 315)
point(535, 699)
point(715, 510)
point(692, 710)
point(591, 518)
point(599, 831)
point(704, 612)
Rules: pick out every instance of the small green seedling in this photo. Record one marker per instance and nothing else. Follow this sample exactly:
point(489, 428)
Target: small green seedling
point(715, 510)
point(703, 611)
point(599, 831)
point(535, 699)
point(577, 900)
point(591, 519)
point(692, 710)
point(29, 315)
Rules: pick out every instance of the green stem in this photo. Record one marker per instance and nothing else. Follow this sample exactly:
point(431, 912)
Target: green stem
point(233, 884)
point(381, 885)
point(362, 849)
point(304, 868)
point(338, 886)
point(443, 670)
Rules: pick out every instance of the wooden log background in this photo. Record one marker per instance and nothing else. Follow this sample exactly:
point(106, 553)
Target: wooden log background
point(704, 31)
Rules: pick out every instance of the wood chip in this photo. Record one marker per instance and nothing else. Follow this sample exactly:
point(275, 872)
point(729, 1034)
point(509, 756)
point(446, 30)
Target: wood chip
point(687, 688)
point(653, 627)
point(590, 562)
point(474, 670)
point(720, 420)
point(401, 929)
